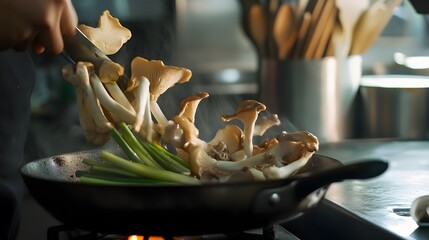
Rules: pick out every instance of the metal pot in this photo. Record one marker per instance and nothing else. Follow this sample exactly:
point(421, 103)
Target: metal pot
point(395, 106)
point(181, 210)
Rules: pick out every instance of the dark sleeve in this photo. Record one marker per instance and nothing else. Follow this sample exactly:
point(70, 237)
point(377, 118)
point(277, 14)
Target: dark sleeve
point(17, 76)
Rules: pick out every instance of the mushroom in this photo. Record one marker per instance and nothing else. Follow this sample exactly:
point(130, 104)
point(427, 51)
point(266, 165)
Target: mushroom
point(285, 152)
point(247, 112)
point(270, 157)
point(274, 172)
point(118, 112)
point(231, 136)
point(186, 118)
point(161, 78)
point(109, 73)
point(264, 146)
point(310, 140)
point(143, 116)
point(263, 123)
point(109, 35)
point(200, 162)
point(297, 158)
point(94, 123)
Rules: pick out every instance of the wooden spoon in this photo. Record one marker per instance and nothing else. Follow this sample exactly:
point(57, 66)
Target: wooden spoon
point(366, 25)
point(258, 27)
point(349, 13)
point(302, 33)
point(381, 23)
point(283, 26)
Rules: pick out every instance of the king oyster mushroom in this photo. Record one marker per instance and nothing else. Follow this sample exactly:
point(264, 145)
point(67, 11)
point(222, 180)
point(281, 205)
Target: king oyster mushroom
point(109, 73)
point(117, 111)
point(161, 78)
point(94, 123)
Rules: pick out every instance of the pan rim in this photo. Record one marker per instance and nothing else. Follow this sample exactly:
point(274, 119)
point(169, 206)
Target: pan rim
point(26, 172)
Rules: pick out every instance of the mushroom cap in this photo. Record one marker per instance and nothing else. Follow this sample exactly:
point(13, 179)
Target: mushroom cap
point(310, 140)
point(188, 106)
point(110, 71)
point(161, 77)
point(109, 35)
point(263, 123)
point(186, 117)
point(247, 109)
point(232, 136)
point(295, 150)
point(264, 146)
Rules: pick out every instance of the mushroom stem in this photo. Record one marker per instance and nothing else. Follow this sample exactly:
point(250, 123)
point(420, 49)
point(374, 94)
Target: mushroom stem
point(158, 114)
point(91, 116)
point(248, 162)
point(147, 121)
point(142, 101)
point(275, 156)
point(248, 137)
point(274, 172)
point(247, 113)
point(117, 94)
point(109, 103)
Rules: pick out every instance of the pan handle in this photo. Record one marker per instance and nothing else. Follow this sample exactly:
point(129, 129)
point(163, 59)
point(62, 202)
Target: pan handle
point(307, 189)
point(364, 169)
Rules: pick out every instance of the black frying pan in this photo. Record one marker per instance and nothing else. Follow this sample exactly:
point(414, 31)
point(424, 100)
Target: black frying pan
point(182, 210)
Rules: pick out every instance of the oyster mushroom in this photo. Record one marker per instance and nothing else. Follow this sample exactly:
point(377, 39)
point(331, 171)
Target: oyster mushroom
point(264, 146)
point(109, 73)
point(274, 156)
point(161, 78)
point(94, 123)
point(263, 123)
point(247, 112)
point(310, 140)
point(306, 145)
point(116, 110)
point(231, 136)
point(109, 35)
point(186, 118)
point(200, 162)
point(285, 157)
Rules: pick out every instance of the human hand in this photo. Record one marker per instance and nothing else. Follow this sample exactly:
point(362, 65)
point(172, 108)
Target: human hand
point(38, 24)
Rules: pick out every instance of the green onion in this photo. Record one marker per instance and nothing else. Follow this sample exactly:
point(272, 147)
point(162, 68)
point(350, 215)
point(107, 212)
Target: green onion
point(164, 160)
point(96, 179)
point(146, 171)
point(124, 146)
point(134, 144)
point(112, 170)
point(172, 156)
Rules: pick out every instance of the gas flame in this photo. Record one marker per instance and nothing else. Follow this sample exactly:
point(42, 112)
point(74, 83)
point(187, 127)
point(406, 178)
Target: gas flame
point(137, 237)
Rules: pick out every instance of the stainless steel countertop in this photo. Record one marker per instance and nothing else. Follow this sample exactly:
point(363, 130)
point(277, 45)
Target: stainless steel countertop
point(378, 200)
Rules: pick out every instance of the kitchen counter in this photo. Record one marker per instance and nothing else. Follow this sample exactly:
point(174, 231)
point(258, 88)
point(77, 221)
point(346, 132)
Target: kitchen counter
point(385, 200)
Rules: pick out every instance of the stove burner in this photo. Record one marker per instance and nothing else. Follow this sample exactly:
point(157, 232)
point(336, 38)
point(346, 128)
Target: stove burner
point(275, 232)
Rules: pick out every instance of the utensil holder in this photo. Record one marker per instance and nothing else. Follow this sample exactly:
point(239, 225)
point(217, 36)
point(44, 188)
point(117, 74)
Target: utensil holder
point(318, 96)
